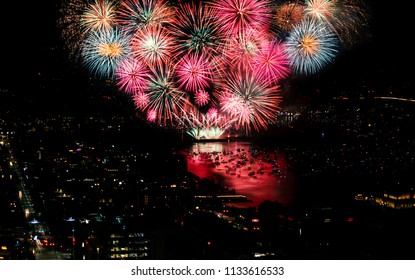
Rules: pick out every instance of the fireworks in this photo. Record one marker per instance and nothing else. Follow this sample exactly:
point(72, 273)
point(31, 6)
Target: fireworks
point(205, 126)
point(235, 16)
point(287, 15)
point(202, 97)
point(141, 100)
point(193, 72)
point(250, 100)
point(99, 16)
point(320, 9)
point(152, 45)
point(196, 30)
point(151, 115)
point(164, 97)
point(131, 76)
point(137, 14)
point(344, 17)
point(103, 50)
point(228, 57)
point(271, 61)
point(310, 47)
point(242, 48)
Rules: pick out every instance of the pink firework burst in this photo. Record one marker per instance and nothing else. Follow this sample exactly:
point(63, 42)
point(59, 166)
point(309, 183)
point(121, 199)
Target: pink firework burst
point(235, 16)
point(151, 115)
point(152, 45)
point(202, 97)
point(193, 72)
point(231, 104)
point(131, 76)
point(212, 113)
point(271, 61)
point(141, 100)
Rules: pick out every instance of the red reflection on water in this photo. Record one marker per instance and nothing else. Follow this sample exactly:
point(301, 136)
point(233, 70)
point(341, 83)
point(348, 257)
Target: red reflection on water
point(249, 171)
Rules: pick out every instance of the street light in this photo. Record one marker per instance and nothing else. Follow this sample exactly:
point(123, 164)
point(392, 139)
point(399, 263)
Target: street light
point(72, 220)
point(35, 222)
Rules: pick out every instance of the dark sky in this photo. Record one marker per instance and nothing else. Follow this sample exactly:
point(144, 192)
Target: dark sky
point(31, 32)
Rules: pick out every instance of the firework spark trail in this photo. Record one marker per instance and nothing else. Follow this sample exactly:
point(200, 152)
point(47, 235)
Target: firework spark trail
point(69, 24)
point(352, 22)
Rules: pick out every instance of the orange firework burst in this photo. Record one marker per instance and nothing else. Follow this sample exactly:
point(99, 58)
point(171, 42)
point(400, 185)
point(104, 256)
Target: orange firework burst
point(100, 15)
point(309, 44)
point(287, 15)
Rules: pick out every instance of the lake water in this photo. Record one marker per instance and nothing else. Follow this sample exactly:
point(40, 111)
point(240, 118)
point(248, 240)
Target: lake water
point(249, 170)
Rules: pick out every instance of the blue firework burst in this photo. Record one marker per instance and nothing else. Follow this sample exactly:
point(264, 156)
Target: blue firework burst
point(103, 50)
point(310, 46)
